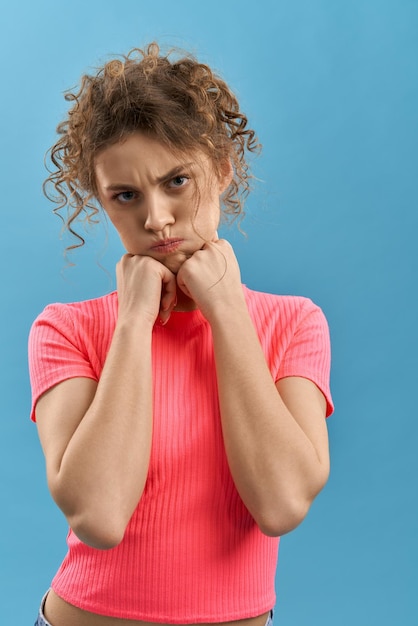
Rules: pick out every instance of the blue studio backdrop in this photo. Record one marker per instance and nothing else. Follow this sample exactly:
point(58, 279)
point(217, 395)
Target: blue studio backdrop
point(331, 88)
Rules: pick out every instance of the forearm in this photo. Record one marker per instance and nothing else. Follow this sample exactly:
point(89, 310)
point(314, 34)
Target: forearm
point(104, 467)
point(275, 466)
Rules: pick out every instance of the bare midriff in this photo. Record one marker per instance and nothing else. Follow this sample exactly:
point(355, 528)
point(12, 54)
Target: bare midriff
point(61, 613)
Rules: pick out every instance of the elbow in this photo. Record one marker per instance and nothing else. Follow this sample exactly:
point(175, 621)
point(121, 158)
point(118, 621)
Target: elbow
point(278, 523)
point(100, 534)
point(280, 520)
point(95, 525)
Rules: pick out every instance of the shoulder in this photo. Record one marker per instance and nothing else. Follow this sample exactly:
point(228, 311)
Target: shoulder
point(294, 334)
point(85, 327)
point(71, 314)
point(288, 309)
point(290, 327)
point(70, 340)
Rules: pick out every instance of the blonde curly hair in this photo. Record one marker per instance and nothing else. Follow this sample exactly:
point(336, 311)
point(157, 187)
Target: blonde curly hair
point(180, 102)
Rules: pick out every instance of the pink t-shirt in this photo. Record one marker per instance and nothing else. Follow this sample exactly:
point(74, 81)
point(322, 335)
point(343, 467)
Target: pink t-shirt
point(191, 552)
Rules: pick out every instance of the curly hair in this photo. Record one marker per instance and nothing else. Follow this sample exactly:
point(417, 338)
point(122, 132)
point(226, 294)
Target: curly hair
point(181, 103)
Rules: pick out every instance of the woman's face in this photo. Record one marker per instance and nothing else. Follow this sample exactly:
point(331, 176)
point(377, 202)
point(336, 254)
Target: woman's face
point(163, 205)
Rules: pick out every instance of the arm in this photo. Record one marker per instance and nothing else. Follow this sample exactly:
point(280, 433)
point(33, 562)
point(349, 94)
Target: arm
point(275, 435)
point(97, 437)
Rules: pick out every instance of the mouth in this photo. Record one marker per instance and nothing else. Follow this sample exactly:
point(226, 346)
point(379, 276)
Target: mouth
point(166, 245)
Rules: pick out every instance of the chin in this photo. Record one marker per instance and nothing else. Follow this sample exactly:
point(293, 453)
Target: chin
point(174, 262)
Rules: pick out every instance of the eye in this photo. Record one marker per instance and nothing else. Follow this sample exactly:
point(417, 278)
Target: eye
point(179, 181)
point(124, 196)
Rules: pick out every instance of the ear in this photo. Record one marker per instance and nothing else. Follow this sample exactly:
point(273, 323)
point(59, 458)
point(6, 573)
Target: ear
point(226, 174)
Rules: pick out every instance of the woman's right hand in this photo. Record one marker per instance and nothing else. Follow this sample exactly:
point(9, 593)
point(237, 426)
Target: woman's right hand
point(145, 287)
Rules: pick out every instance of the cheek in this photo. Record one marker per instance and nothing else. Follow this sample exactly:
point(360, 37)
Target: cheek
point(124, 229)
point(206, 225)
point(208, 215)
point(117, 224)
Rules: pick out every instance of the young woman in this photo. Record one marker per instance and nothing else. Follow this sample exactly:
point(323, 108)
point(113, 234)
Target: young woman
point(182, 417)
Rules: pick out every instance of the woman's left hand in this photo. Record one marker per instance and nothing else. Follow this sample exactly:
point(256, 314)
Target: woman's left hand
point(212, 278)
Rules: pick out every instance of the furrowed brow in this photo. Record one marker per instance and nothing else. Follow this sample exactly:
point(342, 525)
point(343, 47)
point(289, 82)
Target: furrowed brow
point(120, 187)
point(175, 171)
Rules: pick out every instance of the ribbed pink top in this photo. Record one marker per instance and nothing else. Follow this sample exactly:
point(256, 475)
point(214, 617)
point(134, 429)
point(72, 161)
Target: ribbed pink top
point(191, 552)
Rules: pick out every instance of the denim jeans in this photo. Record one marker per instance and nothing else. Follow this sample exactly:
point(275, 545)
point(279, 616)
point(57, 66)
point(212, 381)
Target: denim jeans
point(268, 623)
point(41, 621)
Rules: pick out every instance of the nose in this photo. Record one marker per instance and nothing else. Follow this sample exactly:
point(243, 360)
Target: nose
point(158, 214)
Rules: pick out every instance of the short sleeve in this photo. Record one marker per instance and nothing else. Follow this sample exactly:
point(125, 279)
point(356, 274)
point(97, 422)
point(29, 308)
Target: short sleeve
point(54, 352)
point(308, 353)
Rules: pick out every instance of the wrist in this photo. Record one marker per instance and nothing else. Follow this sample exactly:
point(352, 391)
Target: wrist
point(226, 312)
point(135, 323)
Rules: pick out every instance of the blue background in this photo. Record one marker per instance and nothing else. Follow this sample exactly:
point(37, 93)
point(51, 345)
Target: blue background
point(331, 88)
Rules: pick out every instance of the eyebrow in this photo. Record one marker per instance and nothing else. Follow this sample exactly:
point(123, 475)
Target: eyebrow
point(159, 179)
point(174, 172)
